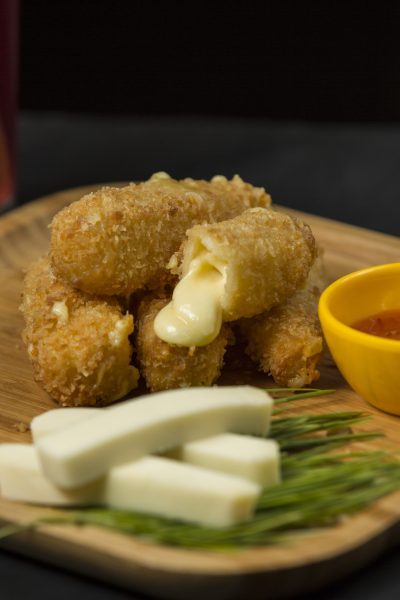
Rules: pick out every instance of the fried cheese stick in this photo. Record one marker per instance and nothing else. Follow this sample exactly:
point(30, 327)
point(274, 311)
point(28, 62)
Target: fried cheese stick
point(166, 366)
point(117, 240)
point(265, 256)
point(287, 341)
point(78, 344)
point(234, 269)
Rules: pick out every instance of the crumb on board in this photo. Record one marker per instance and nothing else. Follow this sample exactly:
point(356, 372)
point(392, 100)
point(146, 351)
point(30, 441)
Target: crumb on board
point(21, 427)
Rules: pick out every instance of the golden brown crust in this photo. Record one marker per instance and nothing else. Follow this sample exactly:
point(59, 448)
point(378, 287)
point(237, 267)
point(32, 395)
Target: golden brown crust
point(165, 366)
point(287, 341)
point(117, 240)
point(78, 344)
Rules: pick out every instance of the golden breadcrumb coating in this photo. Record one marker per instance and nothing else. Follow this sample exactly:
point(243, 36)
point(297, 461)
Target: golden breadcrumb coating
point(287, 341)
point(317, 278)
point(265, 256)
point(117, 240)
point(78, 344)
point(166, 366)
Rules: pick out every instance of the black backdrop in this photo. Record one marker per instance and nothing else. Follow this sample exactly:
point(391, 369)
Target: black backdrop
point(285, 60)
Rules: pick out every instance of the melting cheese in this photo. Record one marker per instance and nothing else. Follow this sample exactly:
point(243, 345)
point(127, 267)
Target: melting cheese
point(194, 315)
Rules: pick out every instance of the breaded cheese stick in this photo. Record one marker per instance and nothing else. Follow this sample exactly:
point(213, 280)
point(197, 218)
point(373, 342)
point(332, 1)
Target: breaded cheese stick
point(78, 344)
point(166, 366)
point(287, 341)
point(233, 269)
point(118, 240)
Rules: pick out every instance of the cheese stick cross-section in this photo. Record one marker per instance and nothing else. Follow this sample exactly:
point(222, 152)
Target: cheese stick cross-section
point(237, 268)
point(255, 459)
point(151, 485)
point(86, 450)
point(194, 316)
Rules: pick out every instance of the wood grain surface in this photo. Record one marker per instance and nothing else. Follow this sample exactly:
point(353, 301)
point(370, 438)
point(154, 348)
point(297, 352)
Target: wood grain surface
point(303, 565)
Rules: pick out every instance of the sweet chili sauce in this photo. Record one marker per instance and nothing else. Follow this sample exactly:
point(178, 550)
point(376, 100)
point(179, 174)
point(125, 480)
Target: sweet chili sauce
point(385, 324)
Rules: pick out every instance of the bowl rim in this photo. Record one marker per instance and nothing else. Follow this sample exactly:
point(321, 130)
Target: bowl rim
point(326, 316)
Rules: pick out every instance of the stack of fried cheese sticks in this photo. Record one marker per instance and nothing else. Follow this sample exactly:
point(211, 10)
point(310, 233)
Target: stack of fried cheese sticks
point(126, 263)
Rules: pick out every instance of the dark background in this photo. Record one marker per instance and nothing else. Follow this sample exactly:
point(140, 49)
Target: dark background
point(280, 60)
point(302, 98)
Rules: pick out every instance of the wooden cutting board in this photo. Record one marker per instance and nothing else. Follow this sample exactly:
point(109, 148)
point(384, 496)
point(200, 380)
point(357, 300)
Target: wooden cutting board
point(271, 572)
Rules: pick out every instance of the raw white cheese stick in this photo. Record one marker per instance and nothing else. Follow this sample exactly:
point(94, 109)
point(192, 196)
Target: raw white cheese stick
point(151, 485)
point(255, 459)
point(86, 450)
point(22, 479)
point(164, 487)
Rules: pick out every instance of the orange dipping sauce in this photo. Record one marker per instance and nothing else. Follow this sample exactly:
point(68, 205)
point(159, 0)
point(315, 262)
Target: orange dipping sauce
point(385, 324)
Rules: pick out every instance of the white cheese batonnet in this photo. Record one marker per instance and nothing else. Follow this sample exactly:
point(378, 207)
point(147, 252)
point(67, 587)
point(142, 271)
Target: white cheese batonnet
point(160, 486)
point(194, 315)
point(255, 459)
point(22, 479)
point(150, 485)
point(84, 451)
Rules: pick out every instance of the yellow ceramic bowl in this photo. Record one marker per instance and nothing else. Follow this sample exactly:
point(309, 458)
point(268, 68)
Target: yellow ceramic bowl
point(370, 364)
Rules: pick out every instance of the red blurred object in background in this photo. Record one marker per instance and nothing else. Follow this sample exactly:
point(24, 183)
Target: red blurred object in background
point(8, 88)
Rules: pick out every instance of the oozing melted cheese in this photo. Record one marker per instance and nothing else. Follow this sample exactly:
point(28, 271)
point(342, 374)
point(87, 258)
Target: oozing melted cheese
point(194, 315)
